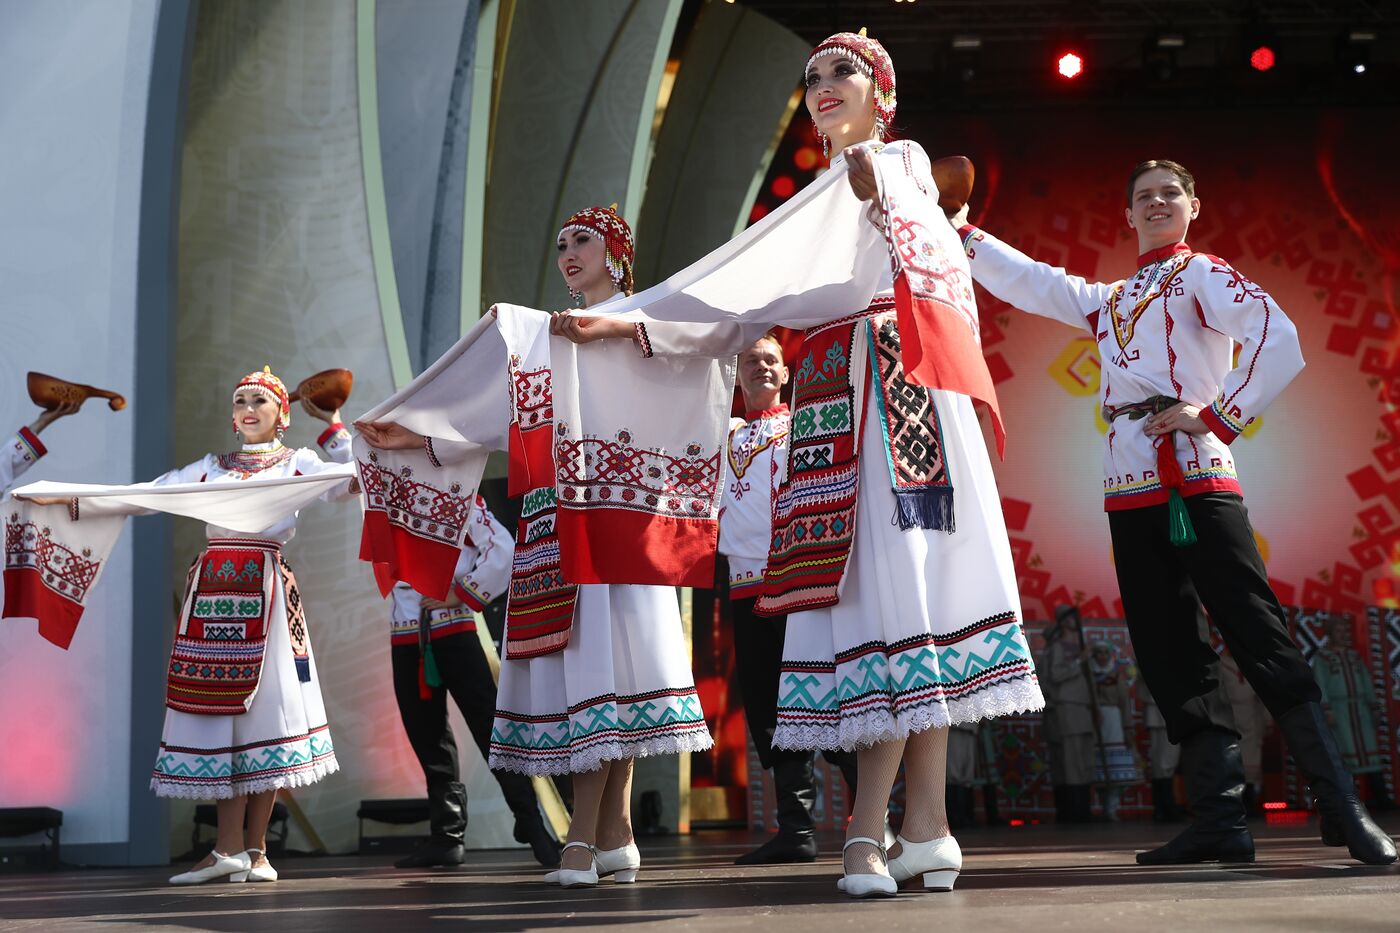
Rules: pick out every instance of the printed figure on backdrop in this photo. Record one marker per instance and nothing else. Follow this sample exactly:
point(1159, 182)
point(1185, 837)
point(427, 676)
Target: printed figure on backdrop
point(757, 454)
point(1175, 397)
point(972, 764)
point(1071, 716)
point(244, 716)
point(595, 673)
point(1352, 705)
point(889, 552)
point(436, 651)
point(1115, 764)
point(1162, 759)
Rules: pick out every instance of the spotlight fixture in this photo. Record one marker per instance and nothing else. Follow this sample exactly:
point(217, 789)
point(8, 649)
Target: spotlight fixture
point(1069, 65)
point(967, 43)
point(1169, 40)
point(1259, 47)
point(1354, 50)
point(1262, 58)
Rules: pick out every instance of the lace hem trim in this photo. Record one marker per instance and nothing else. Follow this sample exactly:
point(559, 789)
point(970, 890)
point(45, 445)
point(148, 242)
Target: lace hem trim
point(593, 757)
point(302, 777)
point(862, 730)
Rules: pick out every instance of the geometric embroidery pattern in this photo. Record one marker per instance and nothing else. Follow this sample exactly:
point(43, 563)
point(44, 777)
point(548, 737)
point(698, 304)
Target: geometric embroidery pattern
point(282, 762)
point(602, 728)
point(216, 660)
point(940, 679)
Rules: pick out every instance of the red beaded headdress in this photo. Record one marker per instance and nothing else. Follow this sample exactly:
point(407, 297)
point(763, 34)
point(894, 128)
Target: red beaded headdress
point(873, 61)
point(266, 384)
point(604, 223)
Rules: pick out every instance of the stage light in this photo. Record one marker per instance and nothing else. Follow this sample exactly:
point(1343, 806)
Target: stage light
point(1170, 40)
point(1070, 65)
point(1275, 805)
point(1262, 58)
point(967, 43)
point(806, 158)
point(783, 186)
point(758, 212)
point(1354, 50)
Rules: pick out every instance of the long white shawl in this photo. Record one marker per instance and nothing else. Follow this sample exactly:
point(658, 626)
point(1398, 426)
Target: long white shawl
point(54, 555)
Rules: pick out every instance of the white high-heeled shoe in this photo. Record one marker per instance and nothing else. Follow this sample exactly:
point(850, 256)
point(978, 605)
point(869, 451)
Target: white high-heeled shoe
point(938, 860)
point(223, 867)
point(867, 884)
point(264, 872)
point(576, 878)
point(622, 863)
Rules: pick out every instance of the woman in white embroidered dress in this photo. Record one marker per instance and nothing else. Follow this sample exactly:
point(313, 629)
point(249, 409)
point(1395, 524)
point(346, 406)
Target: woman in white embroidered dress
point(282, 740)
point(622, 688)
point(926, 630)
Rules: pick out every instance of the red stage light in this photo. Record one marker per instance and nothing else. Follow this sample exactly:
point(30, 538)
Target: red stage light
point(805, 158)
point(1275, 805)
point(784, 186)
point(1262, 58)
point(1017, 822)
point(759, 212)
point(1070, 65)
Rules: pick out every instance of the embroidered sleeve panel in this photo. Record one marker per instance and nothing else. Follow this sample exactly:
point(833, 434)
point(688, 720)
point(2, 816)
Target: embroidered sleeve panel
point(484, 574)
point(335, 440)
point(23, 452)
point(1269, 353)
point(714, 341)
point(1034, 287)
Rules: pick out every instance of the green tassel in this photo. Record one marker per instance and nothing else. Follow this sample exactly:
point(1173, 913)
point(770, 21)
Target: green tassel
point(1183, 533)
point(430, 668)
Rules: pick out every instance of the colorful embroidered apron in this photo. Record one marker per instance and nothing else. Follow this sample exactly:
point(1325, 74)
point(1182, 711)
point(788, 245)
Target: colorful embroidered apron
point(814, 512)
point(540, 610)
point(217, 659)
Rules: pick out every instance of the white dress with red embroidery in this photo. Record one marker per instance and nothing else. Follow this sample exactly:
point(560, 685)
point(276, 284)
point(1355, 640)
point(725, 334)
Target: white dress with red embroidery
point(757, 461)
point(1168, 330)
point(482, 574)
point(283, 740)
point(21, 452)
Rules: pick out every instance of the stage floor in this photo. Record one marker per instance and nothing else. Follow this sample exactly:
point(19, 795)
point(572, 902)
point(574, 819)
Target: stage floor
point(1026, 879)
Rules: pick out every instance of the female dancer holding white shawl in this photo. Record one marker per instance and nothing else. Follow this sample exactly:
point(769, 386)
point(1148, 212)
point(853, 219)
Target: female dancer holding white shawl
point(244, 715)
point(901, 623)
point(595, 675)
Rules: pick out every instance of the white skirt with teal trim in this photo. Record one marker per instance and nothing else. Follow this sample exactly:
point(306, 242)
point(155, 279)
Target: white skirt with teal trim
point(622, 688)
point(928, 630)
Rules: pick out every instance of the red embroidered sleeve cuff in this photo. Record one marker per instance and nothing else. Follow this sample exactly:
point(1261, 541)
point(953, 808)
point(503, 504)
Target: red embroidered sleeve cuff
point(643, 341)
point(969, 235)
point(472, 600)
point(432, 457)
point(31, 440)
point(1221, 424)
point(331, 433)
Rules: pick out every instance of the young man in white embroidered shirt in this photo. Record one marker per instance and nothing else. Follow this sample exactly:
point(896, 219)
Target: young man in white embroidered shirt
point(436, 651)
point(757, 461)
point(1174, 402)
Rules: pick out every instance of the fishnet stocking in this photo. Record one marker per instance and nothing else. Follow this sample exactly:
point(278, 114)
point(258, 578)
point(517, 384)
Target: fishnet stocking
point(876, 767)
point(925, 777)
point(588, 797)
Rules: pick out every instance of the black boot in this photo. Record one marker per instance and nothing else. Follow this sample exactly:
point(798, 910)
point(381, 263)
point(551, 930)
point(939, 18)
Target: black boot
point(1164, 808)
point(447, 815)
point(1380, 794)
point(1344, 818)
point(1064, 810)
point(1214, 772)
point(956, 799)
point(795, 840)
point(529, 826)
point(989, 803)
point(1081, 803)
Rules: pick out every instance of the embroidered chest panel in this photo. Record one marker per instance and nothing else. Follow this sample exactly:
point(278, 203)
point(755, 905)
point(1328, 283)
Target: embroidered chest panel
point(1132, 297)
point(748, 441)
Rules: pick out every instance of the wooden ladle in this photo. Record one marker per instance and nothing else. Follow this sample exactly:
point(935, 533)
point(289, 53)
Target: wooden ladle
point(49, 392)
point(327, 390)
